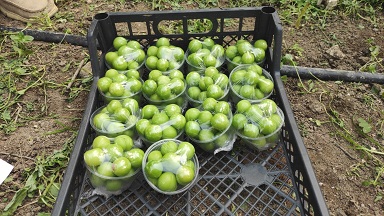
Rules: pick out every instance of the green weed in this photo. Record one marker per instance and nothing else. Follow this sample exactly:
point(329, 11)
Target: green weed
point(44, 180)
point(287, 59)
point(308, 86)
point(20, 41)
point(296, 49)
point(166, 4)
point(299, 12)
point(361, 8)
point(13, 70)
point(364, 125)
point(374, 62)
point(17, 78)
point(176, 26)
point(361, 140)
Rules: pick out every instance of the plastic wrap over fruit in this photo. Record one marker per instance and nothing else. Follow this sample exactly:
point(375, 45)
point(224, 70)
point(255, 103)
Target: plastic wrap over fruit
point(116, 85)
point(203, 54)
point(112, 165)
point(116, 118)
point(209, 126)
point(156, 124)
point(244, 53)
point(209, 83)
point(259, 125)
point(125, 55)
point(250, 82)
point(160, 89)
point(170, 166)
point(164, 57)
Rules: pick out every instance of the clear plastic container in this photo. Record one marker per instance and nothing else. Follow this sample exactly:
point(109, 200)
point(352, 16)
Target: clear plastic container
point(199, 61)
point(223, 141)
point(250, 85)
point(258, 125)
point(179, 99)
point(172, 169)
point(112, 124)
point(170, 90)
point(147, 143)
point(112, 166)
point(209, 126)
point(131, 59)
point(135, 95)
point(245, 53)
point(158, 124)
point(139, 68)
point(110, 185)
point(197, 103)
point(172, 58)
point(202, 84)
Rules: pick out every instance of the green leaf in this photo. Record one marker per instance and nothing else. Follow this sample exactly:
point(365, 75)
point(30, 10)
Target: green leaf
point(367, 129)
point(20, 71)
point(87, 79)
point(284, 78)
point(374, 50)
point(6, 115)
point(287, 59)
point(14, 37)
point(365, 126)
point(27, 38)
point(31, 181)
point(21, 92)
point(18, 50)
point(378, 197)
point(66, 67)
point(311, 85)
point(54, 189)
point(16, 201)
point(367, 183)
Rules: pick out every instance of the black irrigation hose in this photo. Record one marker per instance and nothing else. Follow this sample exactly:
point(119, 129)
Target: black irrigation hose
point(303, 72)
point(332, 75)
point(51, 37)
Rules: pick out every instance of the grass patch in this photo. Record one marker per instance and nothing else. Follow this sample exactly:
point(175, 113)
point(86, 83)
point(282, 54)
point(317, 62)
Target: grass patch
point(363, 137)
point(43, 180)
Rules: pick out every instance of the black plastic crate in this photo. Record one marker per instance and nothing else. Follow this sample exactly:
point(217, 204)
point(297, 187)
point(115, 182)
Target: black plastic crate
point(280, 181)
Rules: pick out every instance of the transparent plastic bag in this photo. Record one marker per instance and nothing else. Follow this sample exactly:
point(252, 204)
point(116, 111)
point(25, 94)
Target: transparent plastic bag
point(209, 126)
point(157, 124)
point(250, 82)
point(203, 54)
point(112, 165)
point(170, 166)
point(120, 85)
point(244, 53)
point(116, 118)
point(164, 57)
point(209, 83)
point(125, 55)
point(162, 89)
point(258, 125)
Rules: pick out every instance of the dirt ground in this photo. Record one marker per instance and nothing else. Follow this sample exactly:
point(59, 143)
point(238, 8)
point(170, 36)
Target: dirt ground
point(340, 170)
